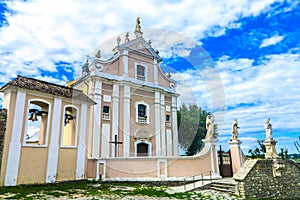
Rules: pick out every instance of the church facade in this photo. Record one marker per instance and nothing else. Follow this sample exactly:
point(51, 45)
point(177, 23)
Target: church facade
point(118, 121)
point(136, 110)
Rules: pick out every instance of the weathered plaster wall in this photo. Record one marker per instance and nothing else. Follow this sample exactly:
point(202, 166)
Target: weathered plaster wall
point(258, 180)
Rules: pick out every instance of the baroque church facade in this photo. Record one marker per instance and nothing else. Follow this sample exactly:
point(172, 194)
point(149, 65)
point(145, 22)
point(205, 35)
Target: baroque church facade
point(136, 102)
point(118, 121)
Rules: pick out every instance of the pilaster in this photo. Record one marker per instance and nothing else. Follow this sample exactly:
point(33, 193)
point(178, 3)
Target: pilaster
point(174, 125)
point(126, 137)
point(157, 123)
point(97, 119)
point(163, 125)
point(115, 115)
point(13, 158)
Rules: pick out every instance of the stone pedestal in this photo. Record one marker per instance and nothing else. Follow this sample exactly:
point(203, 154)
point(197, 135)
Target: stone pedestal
point(270, 145)
point(236, 155)
point(210, 144)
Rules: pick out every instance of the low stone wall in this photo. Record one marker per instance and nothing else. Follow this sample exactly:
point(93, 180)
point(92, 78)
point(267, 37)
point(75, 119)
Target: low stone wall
point(269, 179)
point(3, 116)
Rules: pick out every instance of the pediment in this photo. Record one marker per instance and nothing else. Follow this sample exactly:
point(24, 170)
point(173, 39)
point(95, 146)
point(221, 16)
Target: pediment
point(140, 45)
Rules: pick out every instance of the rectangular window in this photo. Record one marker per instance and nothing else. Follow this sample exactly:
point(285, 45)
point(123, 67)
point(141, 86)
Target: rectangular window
point(141, 73)
point(142, 117)
point(168, 122)
point(105, 114)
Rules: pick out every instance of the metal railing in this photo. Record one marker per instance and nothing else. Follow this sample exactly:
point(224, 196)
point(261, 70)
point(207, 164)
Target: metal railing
point(141, 77)
point(105, 116)
point(142, 119)
point(193, 179)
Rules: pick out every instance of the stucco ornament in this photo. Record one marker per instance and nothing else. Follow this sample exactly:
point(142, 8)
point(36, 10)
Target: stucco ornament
point(235, 132)
point(277, 168)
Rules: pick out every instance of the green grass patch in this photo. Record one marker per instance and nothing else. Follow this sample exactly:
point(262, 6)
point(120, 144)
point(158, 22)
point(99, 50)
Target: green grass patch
point(91, 189)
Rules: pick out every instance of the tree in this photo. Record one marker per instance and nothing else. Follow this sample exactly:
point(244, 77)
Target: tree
point(297, 145)
point(284, 153)
point(258, 152)
point(191, 128)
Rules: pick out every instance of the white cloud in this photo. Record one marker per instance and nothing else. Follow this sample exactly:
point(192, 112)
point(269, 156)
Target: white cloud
point(41, 33)
point(271, 41)
point(253, 93)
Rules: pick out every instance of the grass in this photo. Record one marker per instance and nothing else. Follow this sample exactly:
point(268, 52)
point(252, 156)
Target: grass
point(90, 189)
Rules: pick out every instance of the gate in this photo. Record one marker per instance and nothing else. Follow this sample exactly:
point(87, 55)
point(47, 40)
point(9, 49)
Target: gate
point(225, 163)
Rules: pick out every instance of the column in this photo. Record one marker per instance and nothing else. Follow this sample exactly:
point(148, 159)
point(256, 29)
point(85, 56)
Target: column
point(13, 158)
point(126, 137)
point(54, 142)
point(80, 163)
point(115, 115)
point(174, 125)
point(97, 119)
point(157, 123)
point(163, 125)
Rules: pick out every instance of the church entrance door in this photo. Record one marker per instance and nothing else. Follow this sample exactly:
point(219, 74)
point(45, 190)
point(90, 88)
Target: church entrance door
point(142, 149)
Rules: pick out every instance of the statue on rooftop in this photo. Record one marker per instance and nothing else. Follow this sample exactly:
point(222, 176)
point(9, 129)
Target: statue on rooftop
point(98, 54)
point(118, 40)
point(127, 37)
point(137, 25)
point(235, 132)
point(269, 131)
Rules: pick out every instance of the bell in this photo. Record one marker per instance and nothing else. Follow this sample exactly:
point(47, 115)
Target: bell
point(68, 118)
point(33, 117)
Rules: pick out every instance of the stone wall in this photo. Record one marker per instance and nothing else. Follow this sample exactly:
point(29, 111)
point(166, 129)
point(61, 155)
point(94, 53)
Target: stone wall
point(3, 115)
point(269, 179)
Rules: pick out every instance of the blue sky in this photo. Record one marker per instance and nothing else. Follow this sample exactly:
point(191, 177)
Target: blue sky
point(252, 46)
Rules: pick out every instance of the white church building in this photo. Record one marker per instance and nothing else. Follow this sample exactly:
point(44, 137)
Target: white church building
point(118, 121)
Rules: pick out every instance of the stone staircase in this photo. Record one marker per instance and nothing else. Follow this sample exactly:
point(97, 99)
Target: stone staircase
point(228, 188)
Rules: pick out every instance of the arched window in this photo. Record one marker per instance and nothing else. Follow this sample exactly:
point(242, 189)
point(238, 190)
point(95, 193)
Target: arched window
point(142, 112)
point(38, 122)
point(143, 148)
point(69, 131)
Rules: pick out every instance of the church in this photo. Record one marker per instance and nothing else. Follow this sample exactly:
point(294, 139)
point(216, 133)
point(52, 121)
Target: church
point(117, 121)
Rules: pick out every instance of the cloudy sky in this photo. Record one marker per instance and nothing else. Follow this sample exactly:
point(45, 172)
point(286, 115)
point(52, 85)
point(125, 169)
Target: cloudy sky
point(252, 72)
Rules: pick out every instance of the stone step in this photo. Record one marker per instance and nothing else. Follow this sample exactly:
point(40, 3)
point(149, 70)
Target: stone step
point(223, 187)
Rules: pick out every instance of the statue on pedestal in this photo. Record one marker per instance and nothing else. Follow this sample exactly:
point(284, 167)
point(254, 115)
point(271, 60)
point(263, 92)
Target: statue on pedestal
point(210, 127)
point(235, 127)
point(269, 130)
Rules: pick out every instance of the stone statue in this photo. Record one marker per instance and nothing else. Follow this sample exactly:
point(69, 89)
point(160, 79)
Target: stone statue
point(98, 54)
point(127, 37)
point(235, 132)
point(118, 40)
point(137, 25)
point(210, 127)
point(269, 130)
